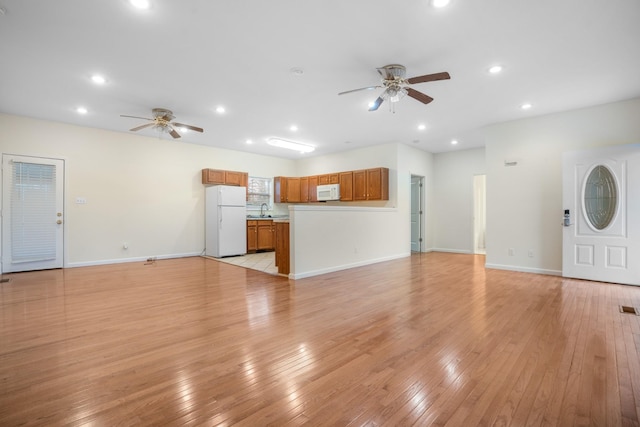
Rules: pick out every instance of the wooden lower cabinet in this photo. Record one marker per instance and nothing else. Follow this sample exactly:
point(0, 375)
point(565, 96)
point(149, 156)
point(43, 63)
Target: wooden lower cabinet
point(252, 236)
point(261, 235)
point(266, 235)
point(282, 247)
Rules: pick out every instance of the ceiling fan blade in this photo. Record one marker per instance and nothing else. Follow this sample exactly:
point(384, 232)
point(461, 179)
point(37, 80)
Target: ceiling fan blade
point(135, 117)
point(429, 78)
point(376, 104)
point(193, 128)
point(419, 96)
point(137, 128)
point(362, 88)
point(173, 133)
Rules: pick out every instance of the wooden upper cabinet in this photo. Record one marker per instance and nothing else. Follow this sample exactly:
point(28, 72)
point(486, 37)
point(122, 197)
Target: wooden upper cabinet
point(329, 178)
point(360, 185)
point(224, 177)
point(293, 190)
point(233, 178)
point(378, 183)
point(365, 184)
point(212, 176)
point(304, 189)
point(313, 188)
point(279, 189)
point(371, 184)
point(346, 186)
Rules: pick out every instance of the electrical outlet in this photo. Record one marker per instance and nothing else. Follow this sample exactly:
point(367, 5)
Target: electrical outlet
point(512, 252)
point(125, 245)
point(81, 201)
point(530, 253)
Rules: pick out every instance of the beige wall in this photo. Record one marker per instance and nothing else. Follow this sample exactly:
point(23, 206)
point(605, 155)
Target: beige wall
point(524, 202)
point(140, 190)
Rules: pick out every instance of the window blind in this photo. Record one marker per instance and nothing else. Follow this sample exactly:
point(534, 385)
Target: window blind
point(33, 212)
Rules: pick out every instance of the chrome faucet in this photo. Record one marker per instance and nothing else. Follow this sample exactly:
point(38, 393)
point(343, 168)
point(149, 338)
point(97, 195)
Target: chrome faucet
point(265, 206)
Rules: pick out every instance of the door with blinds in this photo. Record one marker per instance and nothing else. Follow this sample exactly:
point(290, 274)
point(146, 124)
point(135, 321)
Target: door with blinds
point(32, 213)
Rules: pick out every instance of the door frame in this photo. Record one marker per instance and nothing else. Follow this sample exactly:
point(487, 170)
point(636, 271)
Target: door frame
point(476, 249)
point(421, 207)
point(64, 201)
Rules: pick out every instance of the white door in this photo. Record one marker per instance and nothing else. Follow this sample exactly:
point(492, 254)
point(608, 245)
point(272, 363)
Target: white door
point(32, 213)
point(416, 213)
point(601, 199)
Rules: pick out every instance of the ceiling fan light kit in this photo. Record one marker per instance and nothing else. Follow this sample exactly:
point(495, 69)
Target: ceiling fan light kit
point(396, 86)
point(162, 122)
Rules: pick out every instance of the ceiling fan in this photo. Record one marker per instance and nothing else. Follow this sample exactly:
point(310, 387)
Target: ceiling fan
point(162, 121)
point(396, 86)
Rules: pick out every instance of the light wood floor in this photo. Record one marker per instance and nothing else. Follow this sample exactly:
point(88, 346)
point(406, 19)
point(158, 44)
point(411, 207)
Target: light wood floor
point(432, 339)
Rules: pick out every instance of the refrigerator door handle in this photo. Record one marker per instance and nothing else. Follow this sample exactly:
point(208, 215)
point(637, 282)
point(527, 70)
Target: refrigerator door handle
point(219, 217)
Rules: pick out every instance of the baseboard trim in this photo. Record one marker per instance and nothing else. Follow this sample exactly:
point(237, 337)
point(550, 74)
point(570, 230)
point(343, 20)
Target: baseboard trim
point(125, 260)
point(318, 272)
point(453, 251)
point(524, 269)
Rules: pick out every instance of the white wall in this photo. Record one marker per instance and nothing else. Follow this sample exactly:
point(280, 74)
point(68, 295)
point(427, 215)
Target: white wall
point(140, 190)
point(453, 195)
point(333, 236)
point(524, 202)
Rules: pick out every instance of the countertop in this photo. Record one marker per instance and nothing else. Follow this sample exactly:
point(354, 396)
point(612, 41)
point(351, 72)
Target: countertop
point(262, 218)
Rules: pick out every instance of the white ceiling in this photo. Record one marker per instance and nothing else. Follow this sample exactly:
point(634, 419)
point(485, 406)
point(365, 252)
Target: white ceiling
point(191, 56)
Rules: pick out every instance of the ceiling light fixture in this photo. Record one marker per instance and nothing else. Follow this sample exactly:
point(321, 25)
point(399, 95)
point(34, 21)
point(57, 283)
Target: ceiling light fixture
point(220, 109)
point(81, 110)
point(439, 3)
point(291, 145)
point(495, 69)
point(422, 127)
point(249, 141)
point(293, 128)
point(454, 142)
point(140, 4)
point(98, 79)
point(526, 106)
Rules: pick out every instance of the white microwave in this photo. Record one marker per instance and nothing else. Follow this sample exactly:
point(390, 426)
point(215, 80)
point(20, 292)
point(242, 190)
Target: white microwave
point(328, 192)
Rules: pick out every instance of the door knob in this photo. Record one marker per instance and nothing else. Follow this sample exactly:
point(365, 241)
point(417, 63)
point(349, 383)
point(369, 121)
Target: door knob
point(59, 221)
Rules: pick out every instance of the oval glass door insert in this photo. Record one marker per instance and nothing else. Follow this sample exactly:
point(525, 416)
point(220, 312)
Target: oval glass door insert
point(600, 197)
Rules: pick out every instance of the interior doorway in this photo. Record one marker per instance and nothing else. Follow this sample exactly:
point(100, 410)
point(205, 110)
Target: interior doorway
point(479, 214)
point(417, 185)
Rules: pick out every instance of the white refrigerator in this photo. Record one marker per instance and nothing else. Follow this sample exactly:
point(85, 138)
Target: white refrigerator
point(225, 221)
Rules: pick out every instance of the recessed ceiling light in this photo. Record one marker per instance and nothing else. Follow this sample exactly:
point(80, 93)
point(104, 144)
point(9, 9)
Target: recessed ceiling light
point(526, 106)
point(495, 69)
point(98, 79)
point(81, 110)
point(140, 4)
point(291, 145)
point(439, 3)
point(293, 128)
point(422, 127)
point(297, 71)
point(220, 109)
point(454, 142)
point(249, 141)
